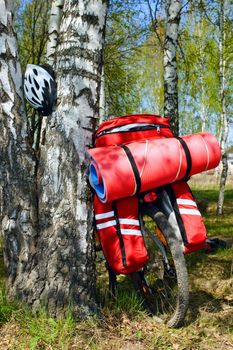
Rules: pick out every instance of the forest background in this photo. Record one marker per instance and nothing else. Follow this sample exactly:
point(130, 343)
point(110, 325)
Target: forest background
point(133, 59)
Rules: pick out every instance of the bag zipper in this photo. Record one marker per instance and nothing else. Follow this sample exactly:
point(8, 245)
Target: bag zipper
point(158, 128)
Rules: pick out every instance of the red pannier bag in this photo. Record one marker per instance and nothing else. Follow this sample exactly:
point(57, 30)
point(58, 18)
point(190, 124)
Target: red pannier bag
point(188, 217)
point(117, 223)
point(129, 128)
point(119, 231)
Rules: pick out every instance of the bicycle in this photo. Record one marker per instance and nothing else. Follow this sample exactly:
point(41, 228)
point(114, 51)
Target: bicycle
point(163, 283)
point(125, 162)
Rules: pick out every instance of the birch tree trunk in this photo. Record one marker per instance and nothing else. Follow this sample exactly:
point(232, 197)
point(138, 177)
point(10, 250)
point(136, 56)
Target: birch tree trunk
point(65, 203)
point(53, 34)
point(53, 31)
point(224, 119)
point(201, 66)
point(18, 195)
point(173, 8)
point(102, 107)
point(46, 204)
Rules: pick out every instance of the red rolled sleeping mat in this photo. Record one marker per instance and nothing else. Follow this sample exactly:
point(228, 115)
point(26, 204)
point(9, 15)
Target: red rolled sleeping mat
point(122, 171)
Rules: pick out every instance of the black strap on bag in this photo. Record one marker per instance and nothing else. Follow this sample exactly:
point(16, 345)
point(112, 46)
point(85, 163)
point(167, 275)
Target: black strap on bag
point(188, 158)
point(134, 167)
point(123, 255)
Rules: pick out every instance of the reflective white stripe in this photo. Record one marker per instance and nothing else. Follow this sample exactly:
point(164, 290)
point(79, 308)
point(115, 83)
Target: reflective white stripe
point(129, 222)
point(190, 212)
point(106, 224)
point(186, 202)
point(104, 215)
point(131, 232)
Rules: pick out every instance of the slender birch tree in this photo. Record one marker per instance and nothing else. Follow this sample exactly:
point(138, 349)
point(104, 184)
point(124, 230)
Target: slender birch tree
point(53, 35)
point(46, 205)
point(224, 117)
point(53, 30)
point(173, 9)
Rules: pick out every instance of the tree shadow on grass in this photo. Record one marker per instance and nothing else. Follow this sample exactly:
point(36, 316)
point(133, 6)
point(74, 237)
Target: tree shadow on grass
point(219, 310)
point(218, 264)
point(195, 259)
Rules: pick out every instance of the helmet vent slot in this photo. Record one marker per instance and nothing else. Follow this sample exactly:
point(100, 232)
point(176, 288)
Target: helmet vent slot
point(35, 71)
point(46, 84)
point(34, 100)
point(34, 92)
point(36, 84)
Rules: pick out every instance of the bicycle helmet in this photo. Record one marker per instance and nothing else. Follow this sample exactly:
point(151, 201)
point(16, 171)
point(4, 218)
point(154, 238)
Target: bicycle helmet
point(40, 88)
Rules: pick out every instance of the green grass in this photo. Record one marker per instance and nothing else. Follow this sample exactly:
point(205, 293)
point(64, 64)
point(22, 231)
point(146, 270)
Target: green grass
point(7, 308)
point(40, 331)
point(2, 271)
point(122, 323)
point(125, 300)
point(222, 225)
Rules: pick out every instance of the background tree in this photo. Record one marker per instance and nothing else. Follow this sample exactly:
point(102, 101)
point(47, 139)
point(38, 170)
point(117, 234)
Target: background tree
point(133, 60)
point(121, 73)
point(173, 9)
point(168, 41)
point(224, 61)
point(53, 30)
point(198, 75)
point(149, 64)
point(32, 28)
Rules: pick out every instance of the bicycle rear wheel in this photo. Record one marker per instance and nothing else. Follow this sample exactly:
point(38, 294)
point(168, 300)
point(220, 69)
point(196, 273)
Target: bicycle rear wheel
point(163, 283)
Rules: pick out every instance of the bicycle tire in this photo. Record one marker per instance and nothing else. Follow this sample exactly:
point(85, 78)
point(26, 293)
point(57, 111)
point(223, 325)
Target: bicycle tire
point(173, 309)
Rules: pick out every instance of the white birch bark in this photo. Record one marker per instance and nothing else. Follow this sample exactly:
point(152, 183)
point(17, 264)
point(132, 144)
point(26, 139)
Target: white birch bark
point(201, 66)
point(203, 106)
point(18, 209)
point(53, 30)
point(102, 109)
point(65, 203)
point(53, 34)
point(173, 8)
point(224, 119)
